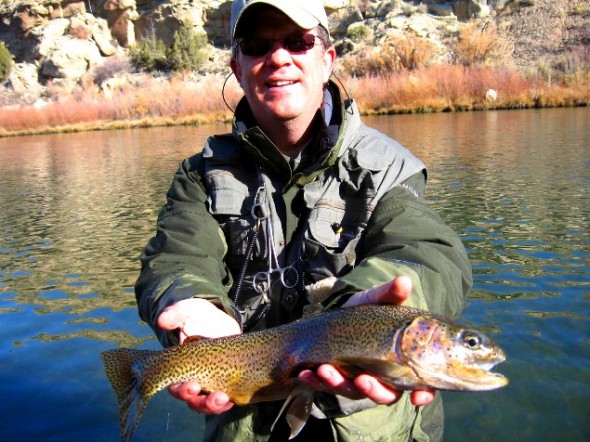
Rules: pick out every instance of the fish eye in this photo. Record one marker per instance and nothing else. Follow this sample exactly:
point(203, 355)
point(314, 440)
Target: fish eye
point(471, 341)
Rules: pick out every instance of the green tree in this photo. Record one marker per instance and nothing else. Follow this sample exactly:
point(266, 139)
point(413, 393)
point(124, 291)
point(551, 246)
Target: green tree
point(188, 49)
point(6, 59)
point(149, 54)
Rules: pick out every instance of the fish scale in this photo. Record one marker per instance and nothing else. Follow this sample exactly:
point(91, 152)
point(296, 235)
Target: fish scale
point(404, 347)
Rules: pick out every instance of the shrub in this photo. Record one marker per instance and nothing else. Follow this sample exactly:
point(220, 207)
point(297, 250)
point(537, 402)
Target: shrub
point(407, 52)
point(482, 47)
point(357, 32)
point(112, 66)
point(5, 62)
point(188, 49)
point(413, 52)
point(149, 54)
point(187, 52)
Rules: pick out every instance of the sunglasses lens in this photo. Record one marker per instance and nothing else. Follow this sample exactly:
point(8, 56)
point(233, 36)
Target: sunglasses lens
point(257, 47)
point(301, 43)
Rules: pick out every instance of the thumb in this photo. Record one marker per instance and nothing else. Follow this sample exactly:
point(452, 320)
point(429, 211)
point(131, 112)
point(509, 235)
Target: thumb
point(392, 292)
point(171, 319)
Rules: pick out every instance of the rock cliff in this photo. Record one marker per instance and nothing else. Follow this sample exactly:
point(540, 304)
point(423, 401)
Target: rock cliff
point(60, 41)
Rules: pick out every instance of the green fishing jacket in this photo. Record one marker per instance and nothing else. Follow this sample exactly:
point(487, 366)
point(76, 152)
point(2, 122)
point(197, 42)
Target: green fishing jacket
point(351, 207)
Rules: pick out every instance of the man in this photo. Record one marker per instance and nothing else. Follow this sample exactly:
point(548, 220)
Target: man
point(301, 191)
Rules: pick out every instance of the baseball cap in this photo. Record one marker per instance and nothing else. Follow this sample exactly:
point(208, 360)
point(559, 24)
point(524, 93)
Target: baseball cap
point(306, 14)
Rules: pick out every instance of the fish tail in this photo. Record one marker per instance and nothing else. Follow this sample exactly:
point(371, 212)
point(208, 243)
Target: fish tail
point(123, 367)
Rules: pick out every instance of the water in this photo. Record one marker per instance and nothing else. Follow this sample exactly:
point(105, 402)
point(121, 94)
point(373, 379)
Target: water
point(77, 209)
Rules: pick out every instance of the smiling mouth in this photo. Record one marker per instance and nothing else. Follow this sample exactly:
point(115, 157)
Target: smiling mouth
point(280, 83)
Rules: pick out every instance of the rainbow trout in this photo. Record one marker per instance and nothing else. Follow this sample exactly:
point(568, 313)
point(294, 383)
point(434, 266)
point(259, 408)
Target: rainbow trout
point(404, 347)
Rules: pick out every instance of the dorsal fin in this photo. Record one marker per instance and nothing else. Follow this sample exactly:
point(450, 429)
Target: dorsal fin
point(312, 310)
point(193, 339)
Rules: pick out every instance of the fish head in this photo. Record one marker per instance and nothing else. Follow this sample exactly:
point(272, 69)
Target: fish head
point(450, 356)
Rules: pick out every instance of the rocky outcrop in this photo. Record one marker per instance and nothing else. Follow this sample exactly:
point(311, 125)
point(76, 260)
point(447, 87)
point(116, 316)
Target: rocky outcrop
point(63, 40)
point(55, 40)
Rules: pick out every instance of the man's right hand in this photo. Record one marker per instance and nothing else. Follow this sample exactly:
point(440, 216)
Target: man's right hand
point(198, 317)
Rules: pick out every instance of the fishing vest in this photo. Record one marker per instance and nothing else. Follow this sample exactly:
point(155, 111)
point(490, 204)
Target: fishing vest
point(333, 210)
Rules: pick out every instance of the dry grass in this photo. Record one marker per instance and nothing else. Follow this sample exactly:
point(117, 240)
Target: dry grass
point(455, 87)
point(151, 101)
point(146, 102)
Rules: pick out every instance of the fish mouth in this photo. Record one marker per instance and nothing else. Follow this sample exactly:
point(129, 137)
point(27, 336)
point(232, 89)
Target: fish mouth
point(460, 377)
point(479, 379)
point(491, 380)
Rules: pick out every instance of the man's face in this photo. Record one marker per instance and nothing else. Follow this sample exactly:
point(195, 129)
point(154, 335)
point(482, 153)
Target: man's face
point(280, 85)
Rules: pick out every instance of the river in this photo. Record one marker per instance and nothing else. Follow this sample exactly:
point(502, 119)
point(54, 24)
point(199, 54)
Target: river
point(77, 209)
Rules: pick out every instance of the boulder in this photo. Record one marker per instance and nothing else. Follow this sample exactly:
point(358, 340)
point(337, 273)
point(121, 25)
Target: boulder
point(54, 30)
point(103, 39)
point(24, 79)
point(470, 9)
point(71, 58)
point(491, 95)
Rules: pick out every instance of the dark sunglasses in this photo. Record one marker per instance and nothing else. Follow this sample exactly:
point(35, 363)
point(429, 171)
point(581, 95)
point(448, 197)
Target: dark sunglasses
point(257, 47)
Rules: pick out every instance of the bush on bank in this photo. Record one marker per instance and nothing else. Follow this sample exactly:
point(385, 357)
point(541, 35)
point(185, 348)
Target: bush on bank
point(187, 52)
point(6, 61)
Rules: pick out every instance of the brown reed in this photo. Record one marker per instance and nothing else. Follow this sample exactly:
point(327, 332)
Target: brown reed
point(151, 101)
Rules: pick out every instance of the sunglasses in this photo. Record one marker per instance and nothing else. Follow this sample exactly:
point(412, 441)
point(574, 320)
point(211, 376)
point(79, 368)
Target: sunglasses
point(257, 47)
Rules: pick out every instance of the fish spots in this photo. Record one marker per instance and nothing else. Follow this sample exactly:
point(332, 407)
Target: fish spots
point(427, 353)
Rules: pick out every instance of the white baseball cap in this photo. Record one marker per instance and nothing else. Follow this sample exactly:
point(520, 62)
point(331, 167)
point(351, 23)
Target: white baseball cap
point(306, 14)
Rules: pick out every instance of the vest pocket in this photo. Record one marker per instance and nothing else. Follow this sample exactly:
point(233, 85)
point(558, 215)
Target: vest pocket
point(230, 202)
point(227, 195)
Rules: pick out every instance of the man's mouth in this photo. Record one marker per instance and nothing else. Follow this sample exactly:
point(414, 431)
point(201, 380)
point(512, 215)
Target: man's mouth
point(280, 83)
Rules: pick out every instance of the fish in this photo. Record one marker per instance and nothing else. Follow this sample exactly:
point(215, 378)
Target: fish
point(404, 347)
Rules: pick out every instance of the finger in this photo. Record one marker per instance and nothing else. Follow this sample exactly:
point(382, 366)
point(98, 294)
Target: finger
point(171, 319)
point(329, 382)
point(422, 397)
point(401, 290)
point(185, 391)
point(374, 390)
point(337, 383)
point(393, 292)
point(213, 403)
point(367, 296)
point(310, 378)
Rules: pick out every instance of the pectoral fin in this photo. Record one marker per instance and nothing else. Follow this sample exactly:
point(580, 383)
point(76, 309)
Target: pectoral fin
point(384, 370)
point(298, 407)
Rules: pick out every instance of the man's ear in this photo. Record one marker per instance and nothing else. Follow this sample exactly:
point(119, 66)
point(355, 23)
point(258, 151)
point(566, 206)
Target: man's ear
point(235, 67)
point(329, 60)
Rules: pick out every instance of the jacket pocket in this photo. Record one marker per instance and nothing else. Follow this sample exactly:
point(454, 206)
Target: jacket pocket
point(230, 201)
point(227, 195)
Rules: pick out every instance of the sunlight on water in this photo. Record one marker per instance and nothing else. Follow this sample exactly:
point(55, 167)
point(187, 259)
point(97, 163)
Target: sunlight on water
point(78, 209)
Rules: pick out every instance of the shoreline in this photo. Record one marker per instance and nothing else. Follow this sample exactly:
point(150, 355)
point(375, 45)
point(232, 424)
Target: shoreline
point(202, 120)
point(144, 101)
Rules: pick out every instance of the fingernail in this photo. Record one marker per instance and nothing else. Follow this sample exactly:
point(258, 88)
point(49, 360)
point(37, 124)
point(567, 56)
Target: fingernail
point(305, 375)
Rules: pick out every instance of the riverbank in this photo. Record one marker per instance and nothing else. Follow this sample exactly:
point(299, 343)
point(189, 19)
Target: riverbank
point(146, 101)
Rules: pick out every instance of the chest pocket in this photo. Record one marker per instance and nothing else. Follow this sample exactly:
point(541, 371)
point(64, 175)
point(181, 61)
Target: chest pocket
point(341, 203)
point(232, 187)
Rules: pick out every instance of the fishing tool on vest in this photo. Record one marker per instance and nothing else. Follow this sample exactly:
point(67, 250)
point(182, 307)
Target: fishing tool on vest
point(287, 276)
point(261, 282)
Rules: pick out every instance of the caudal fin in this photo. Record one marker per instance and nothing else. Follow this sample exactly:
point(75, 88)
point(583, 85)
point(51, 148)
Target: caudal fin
point(125, 378)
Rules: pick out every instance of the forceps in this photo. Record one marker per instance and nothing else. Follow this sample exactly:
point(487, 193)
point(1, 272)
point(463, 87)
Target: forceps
point(288, 276)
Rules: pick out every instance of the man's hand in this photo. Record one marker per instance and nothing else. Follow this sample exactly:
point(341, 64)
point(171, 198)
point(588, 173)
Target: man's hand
point(198, 317)
point(328, 378)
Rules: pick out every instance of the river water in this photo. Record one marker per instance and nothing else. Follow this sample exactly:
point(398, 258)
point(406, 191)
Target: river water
point(77, 209)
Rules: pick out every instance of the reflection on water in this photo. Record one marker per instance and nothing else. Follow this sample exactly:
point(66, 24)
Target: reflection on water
point(515, 185)
point(77, 210)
